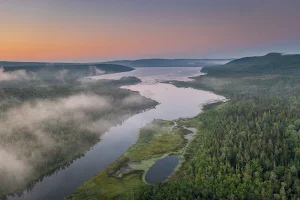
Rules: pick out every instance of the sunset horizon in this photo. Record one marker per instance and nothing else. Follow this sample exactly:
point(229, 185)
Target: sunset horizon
point(149, 99)
point(97, 31)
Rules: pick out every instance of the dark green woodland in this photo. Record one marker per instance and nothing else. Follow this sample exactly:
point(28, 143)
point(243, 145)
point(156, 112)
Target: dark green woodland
point(248, 147)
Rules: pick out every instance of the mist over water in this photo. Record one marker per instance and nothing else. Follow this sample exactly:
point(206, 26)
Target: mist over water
point(174, 103)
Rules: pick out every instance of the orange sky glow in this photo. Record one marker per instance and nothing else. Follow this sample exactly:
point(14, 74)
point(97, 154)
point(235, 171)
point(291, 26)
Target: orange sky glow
point(32, 32)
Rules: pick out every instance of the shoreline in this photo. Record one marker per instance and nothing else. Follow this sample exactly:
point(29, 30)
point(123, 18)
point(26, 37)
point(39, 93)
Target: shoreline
point(143, 165)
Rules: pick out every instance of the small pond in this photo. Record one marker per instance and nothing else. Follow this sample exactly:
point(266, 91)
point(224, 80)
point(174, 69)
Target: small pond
point(161, 169)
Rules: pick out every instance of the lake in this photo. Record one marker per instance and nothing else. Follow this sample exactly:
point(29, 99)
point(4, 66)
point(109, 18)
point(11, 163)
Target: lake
point(174, 103)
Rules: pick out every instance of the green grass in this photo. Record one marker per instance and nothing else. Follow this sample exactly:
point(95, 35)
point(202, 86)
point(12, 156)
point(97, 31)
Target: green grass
point(193, 122)
point(105, 186)
point(156, 143)
point(144, 164)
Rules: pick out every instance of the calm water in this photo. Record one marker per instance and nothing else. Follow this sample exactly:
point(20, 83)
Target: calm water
point(155, 74)
point(174, 103)
point(161, 169)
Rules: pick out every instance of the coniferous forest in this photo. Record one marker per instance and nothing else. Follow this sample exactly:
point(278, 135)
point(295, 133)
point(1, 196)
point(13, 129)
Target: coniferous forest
point(246, 148)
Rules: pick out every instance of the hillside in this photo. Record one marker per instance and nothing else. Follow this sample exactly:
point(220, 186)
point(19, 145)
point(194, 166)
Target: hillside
point(35, 66)
point(55, 71)
point(247, 147)
point(272, 63)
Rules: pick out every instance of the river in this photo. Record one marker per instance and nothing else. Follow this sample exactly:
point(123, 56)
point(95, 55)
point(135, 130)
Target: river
point(174, 103)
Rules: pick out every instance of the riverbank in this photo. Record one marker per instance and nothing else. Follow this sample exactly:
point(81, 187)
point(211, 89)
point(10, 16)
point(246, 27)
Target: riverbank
point(156, 141)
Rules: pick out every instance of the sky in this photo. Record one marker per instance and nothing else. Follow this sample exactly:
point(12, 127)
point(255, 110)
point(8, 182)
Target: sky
point(101, 30)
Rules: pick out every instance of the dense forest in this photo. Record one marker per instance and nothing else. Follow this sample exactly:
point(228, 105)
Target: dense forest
point(272, 63)
point(45, 125)
point(248, 147)
point(36, 66)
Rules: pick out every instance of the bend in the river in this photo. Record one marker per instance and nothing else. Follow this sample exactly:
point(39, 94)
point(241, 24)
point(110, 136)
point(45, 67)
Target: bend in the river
point(174, 103)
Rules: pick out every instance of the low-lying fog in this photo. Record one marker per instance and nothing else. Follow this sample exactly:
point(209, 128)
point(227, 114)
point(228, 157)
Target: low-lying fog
point(39, 133)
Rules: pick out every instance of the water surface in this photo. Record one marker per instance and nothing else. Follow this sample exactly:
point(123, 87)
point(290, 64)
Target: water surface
point(157, 74)
point(174, 103)
point(161, 169)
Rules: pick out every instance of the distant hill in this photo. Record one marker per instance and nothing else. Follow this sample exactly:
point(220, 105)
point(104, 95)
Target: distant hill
point(60, 71)
point(272, 63)
point(36, 66)
point(159, 62)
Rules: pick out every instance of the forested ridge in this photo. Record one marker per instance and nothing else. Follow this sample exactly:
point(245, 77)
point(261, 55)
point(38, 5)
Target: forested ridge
point(36, 66)
point(272, 63)
point(14, 74)
point(159, 62)
point(246, 148)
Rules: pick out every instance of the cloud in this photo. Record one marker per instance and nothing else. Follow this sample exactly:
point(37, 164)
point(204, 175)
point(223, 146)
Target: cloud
point(134, 100)
point(30, 114)
point(36, 133)
point(26, 137)
point(9, 163)
point(61, 74)
point(13, 75)
point(93, 70)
